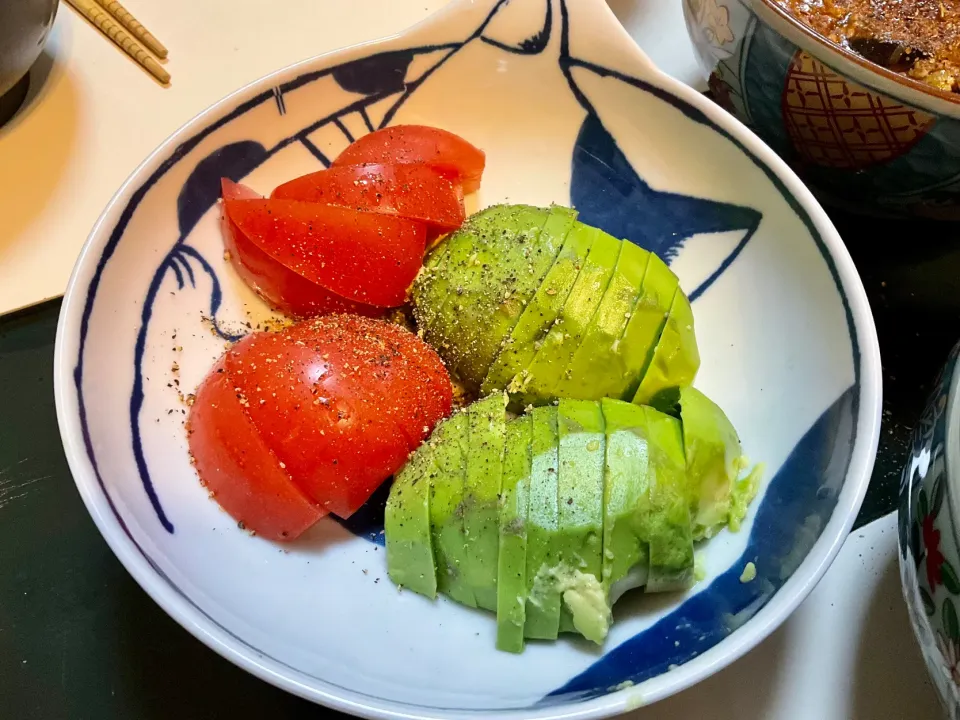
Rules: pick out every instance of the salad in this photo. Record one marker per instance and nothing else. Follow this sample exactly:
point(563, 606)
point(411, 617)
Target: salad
point(534, 409)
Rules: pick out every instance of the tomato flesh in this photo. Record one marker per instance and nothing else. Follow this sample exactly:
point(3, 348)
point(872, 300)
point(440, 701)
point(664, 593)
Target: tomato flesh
point(280, 287)
point(415, 192)
point(419, 144)
point(238, 468)
point(364, 257)
point(331, 399)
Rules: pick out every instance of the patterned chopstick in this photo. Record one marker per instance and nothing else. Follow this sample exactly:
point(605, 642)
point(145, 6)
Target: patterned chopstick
point(100, 19)
point(134, 27)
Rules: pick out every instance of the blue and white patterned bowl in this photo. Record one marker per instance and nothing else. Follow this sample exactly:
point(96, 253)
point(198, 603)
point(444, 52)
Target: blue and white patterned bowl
point(929, 538)
point(568, 110)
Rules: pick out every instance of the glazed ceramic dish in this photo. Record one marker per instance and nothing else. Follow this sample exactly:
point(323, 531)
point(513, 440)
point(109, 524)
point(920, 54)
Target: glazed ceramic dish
point(568, 110)
point(929, 545)
point(862, 136)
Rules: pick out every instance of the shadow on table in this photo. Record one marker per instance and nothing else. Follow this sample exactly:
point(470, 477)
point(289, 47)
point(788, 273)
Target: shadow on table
point(891, 680)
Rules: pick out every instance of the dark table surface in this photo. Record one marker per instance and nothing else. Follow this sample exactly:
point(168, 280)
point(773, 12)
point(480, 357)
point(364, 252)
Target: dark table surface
point(80, 639)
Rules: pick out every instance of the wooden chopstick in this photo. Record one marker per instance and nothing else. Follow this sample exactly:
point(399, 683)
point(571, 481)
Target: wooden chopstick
point(111, 28)
point(133, 26)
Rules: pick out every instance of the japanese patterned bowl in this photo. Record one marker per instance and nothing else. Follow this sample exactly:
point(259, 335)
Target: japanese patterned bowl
point(863, 137)
point(568, 110)
point(929, 545)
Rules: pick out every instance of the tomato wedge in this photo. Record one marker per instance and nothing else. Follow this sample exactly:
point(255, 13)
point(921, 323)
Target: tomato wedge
point(419, 390)
point(280, 287)
point(330, 398)
point(239, 470)
point(419, 144)
point(415, 192)
point(365, 257)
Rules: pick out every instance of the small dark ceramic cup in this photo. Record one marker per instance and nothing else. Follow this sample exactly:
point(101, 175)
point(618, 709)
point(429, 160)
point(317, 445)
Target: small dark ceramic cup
point(24, 25)
point(861, 136)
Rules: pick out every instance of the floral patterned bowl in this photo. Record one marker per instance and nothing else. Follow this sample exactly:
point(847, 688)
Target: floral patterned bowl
point(861, 136)
point(929, 547)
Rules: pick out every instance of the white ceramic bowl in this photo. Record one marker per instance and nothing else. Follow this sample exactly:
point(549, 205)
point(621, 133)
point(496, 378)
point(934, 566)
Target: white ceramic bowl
point(568, 110)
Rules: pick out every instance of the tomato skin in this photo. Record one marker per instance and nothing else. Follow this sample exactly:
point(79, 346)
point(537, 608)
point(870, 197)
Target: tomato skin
point(280, 287)
point(415, 192)
point(332, 399)
point(239, 470)
point(416, 372)
point(419, 144)
point(364, 257)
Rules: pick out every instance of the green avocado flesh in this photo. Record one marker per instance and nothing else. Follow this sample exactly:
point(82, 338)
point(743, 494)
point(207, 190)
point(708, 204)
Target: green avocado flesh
point(512, 561)
point(485, 442)
point(518, 350)
point(407, 525)
point(616, 467)
point(665, 523)
point(543, 525)
point(676, 358)
point(647, 320)
point(532, 301)
point(495, 263)
point(541, 379)
point(580, 445)
point(547, 518)
point(597, 368)
point(446, 502)
point(715, 459)
point(625, 484)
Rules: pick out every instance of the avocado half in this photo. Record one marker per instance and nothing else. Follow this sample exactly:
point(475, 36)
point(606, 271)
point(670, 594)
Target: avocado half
point(547, 518)
point(534, 302)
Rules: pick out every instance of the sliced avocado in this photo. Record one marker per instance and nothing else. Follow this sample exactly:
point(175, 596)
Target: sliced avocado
point(625, 486)
point(647, 320)
point(406, 525)
point(486, 421)
point(597, 369)
point(543, 596)
point(664, 518)
point(714, 462)
point(432, 287)
point(676, 358)
point(518, 349)
point(537, 383)
point(496, 262)
point(512, 561)
point(580, 430)
point(446, 508)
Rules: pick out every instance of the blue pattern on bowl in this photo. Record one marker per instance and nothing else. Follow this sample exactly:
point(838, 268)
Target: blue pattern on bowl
point(610, 193)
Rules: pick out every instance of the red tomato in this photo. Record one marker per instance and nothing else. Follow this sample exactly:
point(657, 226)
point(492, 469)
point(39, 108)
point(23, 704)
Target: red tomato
point(365, 257)
point(239, 470)
point(406, 144)
point(415, 192)
point(282, 288)
point(333, 399)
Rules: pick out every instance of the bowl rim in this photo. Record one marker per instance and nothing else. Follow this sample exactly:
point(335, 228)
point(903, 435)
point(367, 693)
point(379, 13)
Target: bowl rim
point(771, 616)
point(828, 45)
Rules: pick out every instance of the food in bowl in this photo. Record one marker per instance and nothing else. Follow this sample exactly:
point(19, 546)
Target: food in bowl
point(918, 38)
point(856, 96)
point(605, 471)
